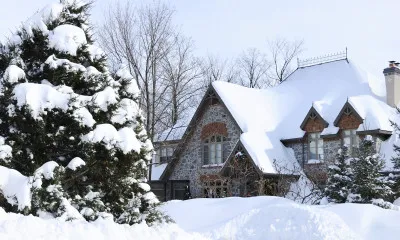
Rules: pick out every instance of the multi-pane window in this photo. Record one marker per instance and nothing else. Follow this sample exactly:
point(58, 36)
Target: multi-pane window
point(316, 147)
point(215, 150)
point(163, 154)
point(350, 139)
point(216, 189)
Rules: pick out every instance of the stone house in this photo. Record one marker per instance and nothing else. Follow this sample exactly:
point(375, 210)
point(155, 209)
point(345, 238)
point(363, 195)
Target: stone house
point(239, 137)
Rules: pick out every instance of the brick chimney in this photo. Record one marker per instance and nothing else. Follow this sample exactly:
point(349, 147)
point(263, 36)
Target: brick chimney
point(392, 79)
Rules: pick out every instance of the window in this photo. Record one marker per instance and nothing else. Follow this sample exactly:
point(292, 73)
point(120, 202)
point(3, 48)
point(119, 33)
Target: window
point(350, 139)
point(163, 154)
point(316, 147)
point(215, 150)
point(216, 189)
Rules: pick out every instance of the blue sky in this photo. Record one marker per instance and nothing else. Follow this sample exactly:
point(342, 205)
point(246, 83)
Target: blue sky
point(225, 28)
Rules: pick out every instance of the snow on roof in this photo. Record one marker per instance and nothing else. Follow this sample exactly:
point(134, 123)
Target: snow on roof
point(375, 113)
point(277, 113)
point(157, 170)
point(176, 132)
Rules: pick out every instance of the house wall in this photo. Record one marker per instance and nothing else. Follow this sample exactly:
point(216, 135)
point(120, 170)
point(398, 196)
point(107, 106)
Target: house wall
point(300, 151)
point(190, 164)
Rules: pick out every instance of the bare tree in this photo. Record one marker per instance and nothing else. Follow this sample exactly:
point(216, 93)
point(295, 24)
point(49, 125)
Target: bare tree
point(253, 69)
point(242, 171)
point(212, 69)
point(293, 183)
point(144, 38)
point(283, 54)
point(181, 72)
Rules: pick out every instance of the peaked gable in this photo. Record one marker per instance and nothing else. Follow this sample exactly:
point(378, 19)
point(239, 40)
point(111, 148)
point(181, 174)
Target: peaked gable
point(348, 118)
point(211, 97)
point(313, 122)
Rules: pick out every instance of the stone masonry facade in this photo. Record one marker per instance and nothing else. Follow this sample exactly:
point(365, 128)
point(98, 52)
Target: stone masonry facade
point(190, 165)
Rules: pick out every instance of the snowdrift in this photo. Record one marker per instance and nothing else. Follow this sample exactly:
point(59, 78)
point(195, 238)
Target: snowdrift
point(16, 226)
point(279, 218)
point(228, 218)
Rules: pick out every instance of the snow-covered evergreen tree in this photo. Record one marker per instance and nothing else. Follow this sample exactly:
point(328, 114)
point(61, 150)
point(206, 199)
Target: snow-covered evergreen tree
point(368, 182)
point(395, 177)
point(71, 127)
point(340, 177)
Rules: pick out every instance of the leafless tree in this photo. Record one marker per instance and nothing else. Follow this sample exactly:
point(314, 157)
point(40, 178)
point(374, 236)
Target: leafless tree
point(242, 170)
point(181, 71)
point(292, 182)
point(283, 54)
point(144, 38)
point(253, 69)
point(212, 69)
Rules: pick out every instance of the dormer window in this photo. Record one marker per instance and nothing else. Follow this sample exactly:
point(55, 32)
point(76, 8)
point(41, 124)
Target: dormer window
point(350, 139)
point(315, 147)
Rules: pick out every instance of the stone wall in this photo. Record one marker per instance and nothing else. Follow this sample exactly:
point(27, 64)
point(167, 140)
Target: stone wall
point(190, 164)
point(300, 151)
point(331, 147)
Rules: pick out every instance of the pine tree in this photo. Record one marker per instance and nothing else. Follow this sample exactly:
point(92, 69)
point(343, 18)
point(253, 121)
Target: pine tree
point(395, 177)
point(368, 182)
point(58, 104)
point(339, 178)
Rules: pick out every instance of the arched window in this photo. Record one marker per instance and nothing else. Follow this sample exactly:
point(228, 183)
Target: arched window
point(215, 150)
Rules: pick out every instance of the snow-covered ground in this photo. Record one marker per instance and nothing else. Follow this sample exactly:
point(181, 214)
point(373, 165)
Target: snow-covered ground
point(17, 226)
point(227, 218)
point(279, 218)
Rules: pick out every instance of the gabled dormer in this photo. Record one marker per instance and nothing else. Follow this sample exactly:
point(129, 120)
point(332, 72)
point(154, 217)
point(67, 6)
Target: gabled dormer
point(313, 122)
point(348, 118)
point(348, 122)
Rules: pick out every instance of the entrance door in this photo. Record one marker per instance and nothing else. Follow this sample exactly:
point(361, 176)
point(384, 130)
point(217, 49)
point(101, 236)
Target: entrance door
point(179, 189)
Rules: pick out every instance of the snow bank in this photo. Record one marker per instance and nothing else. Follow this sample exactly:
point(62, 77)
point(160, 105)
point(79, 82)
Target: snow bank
point(226, 218)
point(279, 218)
point(37, 228)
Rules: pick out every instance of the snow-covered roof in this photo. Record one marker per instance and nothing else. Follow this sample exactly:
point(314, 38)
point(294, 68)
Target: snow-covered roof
point(267, 116)
point(176, 132)
point(157, 170)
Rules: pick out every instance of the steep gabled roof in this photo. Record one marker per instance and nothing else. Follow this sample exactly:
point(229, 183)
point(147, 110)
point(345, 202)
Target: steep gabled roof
point(210, 96)
point(266, 116)
point(309, 115)
point(347, 109)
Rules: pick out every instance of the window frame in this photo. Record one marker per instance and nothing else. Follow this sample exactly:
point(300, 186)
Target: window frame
point(165, 153)
point(319, 146)
point(353, 140)
point(214, 150)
